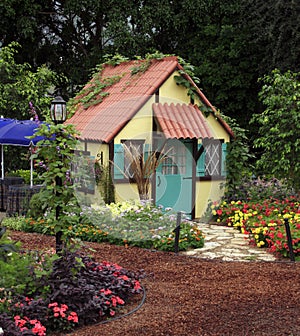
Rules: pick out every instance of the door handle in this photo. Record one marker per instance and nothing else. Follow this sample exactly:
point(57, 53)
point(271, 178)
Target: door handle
point(159, 181)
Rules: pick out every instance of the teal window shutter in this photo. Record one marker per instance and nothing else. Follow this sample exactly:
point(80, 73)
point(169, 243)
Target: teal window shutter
point(201, 163)
point(118, 161)
point(146, 151)
point(223, 163)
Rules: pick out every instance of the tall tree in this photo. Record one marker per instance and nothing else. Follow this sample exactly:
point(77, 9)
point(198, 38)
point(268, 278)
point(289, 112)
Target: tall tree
point(279, 126)
point(273, 34)
point(20, 85)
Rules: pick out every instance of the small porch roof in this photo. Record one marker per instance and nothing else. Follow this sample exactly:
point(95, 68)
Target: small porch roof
point(181, 121)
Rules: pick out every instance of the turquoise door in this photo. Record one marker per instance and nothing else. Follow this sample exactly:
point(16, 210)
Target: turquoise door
point(174, 177)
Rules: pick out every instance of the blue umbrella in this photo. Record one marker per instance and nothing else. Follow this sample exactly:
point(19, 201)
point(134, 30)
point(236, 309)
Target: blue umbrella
point(4, 122)
point(15, 133)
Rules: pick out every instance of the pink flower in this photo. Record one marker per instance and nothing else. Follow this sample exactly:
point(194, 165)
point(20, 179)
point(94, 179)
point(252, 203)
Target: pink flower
point(137, 285)
point(64, 307)
point(54, 304)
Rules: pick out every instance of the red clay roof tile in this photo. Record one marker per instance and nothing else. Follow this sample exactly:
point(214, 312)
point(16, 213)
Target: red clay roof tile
point(181, 121)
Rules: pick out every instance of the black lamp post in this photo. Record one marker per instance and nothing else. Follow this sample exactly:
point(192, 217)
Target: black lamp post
point(58, 114)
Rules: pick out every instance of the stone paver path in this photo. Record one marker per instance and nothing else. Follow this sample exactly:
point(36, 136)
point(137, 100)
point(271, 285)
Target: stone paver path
point(227, 244)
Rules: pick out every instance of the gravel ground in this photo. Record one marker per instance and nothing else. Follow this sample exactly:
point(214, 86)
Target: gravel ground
point(198, 297)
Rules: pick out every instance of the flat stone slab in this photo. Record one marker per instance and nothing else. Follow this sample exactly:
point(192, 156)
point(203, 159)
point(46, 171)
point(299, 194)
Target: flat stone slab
point(209, 245)
point(238, 241)
point(223, 238)
point(227, 244)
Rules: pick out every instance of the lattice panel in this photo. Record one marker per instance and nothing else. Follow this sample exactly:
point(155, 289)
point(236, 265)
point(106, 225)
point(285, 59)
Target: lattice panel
point(212, 161)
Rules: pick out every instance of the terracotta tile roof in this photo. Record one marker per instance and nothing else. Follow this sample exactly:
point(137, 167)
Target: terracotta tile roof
point(103, 121)
point(181, 121)
point(126, 96)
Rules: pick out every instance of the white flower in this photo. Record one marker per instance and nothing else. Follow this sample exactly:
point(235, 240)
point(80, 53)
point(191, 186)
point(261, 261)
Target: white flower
point(1, 331)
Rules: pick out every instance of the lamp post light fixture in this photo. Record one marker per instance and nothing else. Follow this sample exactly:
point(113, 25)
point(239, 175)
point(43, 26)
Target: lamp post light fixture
point(58, 112)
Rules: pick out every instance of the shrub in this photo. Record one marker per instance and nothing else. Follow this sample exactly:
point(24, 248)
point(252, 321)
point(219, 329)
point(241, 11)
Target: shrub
point(6, 246)
point(256, 189)
point(70, 290)
point(25, 174)
point(14, 223)
point(36, 207)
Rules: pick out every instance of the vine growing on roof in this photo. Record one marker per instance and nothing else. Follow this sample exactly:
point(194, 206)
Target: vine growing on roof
point(188, 70)
point(94, 93)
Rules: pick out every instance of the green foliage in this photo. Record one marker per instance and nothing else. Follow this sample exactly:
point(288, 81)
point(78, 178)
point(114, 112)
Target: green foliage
point(14, 274)
point(93, 93)
point(237, 158)
point(104, 180)
point(114, 59)
point(36, 207)
point(58, 192)
point(14, 223)
point(128, 223)
point(138, 224)
point(19, 85)
point(6, 246)
point(182, 80)
point(280, 23)
point(25, 174)
point(279, 127)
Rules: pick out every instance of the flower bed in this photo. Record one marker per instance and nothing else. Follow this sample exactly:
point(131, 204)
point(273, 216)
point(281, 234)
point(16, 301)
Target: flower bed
point(128, 223)
point(263, 221)
point(61, 293)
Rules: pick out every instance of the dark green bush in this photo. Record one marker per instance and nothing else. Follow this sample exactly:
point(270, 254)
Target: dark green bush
point(36, 209)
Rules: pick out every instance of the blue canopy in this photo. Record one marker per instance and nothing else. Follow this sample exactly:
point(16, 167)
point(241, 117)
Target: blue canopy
point(16, 132)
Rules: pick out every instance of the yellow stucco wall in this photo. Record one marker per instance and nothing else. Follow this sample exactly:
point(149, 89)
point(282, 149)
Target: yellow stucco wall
point(218, 129)
point(126, 192)
point(140, 126)
point(171, 92)
point(206, 191)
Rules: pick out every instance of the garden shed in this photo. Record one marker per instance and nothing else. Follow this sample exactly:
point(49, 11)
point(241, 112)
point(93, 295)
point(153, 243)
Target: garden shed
point(153, 104)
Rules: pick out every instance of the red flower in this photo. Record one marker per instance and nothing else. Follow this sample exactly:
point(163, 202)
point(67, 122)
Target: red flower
point(279, 235)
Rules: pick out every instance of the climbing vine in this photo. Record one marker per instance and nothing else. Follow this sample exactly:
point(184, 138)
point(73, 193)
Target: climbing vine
point(94, 92)
point(237, 158)
point(188, 70)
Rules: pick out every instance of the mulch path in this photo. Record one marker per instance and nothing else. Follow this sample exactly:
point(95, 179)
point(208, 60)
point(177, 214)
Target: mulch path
point(196, 297)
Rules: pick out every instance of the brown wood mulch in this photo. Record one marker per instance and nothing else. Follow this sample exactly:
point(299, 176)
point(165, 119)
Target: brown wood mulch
point(197, 297)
